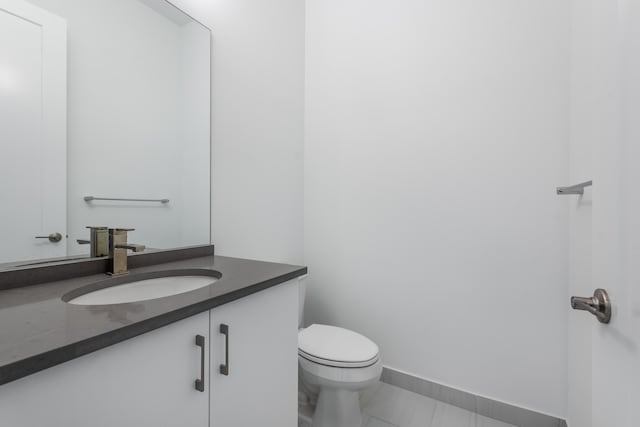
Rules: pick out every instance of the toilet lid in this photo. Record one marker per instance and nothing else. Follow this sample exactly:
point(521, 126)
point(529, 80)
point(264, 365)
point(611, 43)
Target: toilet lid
point(333, 346)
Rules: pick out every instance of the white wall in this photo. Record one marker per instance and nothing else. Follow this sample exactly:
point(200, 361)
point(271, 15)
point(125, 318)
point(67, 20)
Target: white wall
point(126, 64)
point(258, 73)
point(390, 185)
point(436, 133)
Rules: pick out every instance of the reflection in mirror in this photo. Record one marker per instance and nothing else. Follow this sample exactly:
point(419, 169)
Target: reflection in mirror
point(104, 121)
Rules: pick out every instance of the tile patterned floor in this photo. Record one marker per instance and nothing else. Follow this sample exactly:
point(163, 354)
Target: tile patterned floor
point(389, 406)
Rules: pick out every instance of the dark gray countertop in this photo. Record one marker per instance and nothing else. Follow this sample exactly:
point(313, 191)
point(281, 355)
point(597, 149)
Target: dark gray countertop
point(38, 330)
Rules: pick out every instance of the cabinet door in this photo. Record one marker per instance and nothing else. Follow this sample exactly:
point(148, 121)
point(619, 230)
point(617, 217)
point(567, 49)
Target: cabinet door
point(145, 381)
point(261, 387)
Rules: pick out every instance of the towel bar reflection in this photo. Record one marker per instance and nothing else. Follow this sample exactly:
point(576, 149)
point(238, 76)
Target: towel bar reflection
point(574, 189)
point(92, 198)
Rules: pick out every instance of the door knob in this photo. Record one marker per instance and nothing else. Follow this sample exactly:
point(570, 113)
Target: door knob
point(53, 237)
point(599, 305)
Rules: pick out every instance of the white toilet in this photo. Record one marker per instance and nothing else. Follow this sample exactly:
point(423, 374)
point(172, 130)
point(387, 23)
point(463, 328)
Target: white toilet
point(339, 364)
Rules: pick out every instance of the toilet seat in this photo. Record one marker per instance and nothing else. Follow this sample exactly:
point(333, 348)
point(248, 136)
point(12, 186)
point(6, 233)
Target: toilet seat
point(336, 347)
point(342, 378)
point(337, 363)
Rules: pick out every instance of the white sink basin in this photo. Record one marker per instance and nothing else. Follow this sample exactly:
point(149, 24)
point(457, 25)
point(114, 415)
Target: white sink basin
point(140, 288)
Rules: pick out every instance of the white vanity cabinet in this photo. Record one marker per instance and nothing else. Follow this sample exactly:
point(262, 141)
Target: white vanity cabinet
point(150, 380)
point(260, 387)
point(145, 381)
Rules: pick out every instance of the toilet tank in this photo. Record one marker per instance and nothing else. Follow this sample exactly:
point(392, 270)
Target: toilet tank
point(302, 293)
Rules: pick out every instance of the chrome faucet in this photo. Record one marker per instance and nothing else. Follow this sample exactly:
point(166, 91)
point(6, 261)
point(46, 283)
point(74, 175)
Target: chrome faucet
point(118, 248)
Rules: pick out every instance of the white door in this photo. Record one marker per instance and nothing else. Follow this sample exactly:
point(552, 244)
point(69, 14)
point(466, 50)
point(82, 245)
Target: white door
point(260, 386)
point(33, 121)
point(147, 381)
point(605, 373)
point(616, 216)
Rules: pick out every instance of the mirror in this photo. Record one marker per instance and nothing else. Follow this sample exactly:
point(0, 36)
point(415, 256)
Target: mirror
point(104, 121)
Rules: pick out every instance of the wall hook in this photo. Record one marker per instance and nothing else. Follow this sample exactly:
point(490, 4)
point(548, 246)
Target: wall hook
point(574, 189)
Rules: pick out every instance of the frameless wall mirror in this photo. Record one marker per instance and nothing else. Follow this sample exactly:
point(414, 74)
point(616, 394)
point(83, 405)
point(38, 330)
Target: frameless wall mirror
point(104, 121)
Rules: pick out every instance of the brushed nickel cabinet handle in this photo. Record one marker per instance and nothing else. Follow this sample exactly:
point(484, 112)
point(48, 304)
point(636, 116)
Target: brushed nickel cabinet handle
point(200, 342)
point(224, 368)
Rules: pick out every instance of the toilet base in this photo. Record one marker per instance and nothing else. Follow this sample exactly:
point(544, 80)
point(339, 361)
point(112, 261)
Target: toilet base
point(337, 408)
